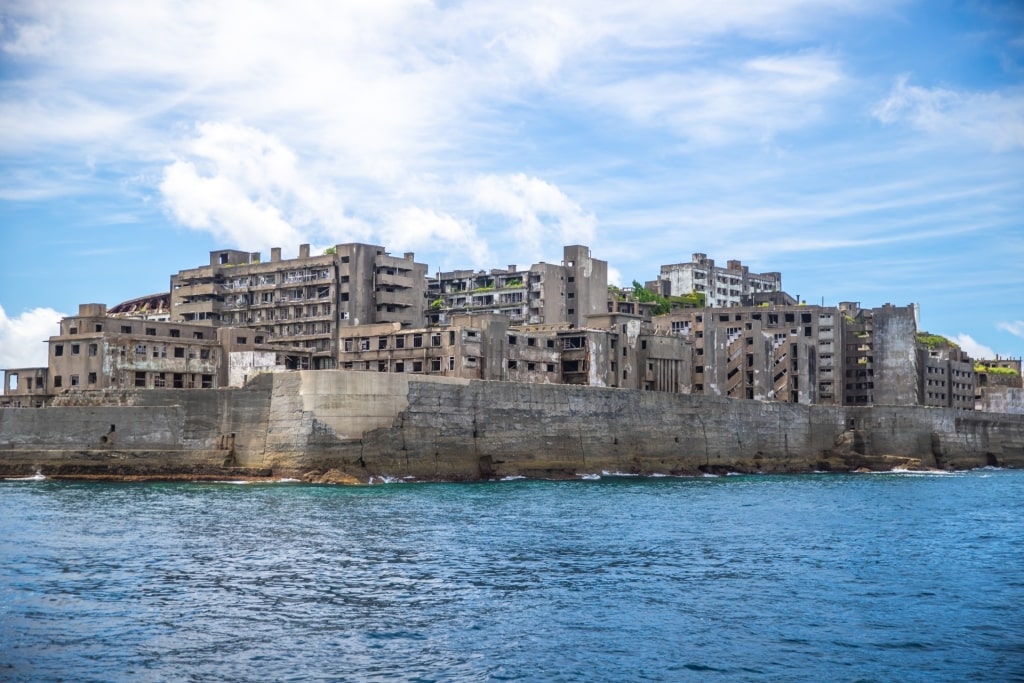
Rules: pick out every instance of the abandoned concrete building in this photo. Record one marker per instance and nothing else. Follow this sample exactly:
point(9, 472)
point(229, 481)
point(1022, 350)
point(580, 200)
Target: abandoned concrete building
point(842, 355)
point(999, 387)
point(762, 352)
point(95, 351)
point(722, 287)
point(151, 307)
point(946, 378)
point(356, 307)
point(543, 294)
point(611, 351)
point(302, 302)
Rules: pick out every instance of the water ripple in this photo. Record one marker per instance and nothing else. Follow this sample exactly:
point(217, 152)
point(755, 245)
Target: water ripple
point(888, 577)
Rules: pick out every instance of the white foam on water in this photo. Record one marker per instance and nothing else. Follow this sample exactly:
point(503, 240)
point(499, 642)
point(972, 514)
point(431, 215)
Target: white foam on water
point(606, 473)
point(231, 481)
point(385, 480)
point(512, 477)
point(289, 480)
point(590, 477)
point(903, 472)
point(708, 475)
point(38, 476)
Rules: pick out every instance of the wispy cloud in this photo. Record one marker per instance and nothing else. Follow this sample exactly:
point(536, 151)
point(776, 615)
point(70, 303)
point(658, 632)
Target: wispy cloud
point(993, 118)
point(754, 100)
point(1016, 327)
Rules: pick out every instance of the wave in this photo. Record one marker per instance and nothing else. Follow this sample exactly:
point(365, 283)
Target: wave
point(38, 476)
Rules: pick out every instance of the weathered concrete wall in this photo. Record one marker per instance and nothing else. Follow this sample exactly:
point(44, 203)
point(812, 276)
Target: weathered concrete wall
point(369, 424)
point(1003, 399)
point(364, 424)
point(895, 356)
point(92, 427)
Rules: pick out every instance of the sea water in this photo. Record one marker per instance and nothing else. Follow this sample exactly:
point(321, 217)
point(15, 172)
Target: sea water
point(873, 577)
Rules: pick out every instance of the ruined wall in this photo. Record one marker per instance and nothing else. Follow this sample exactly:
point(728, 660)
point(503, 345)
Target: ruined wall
point(371, 424)
point(366, 424)
point(895, 356)
point(1004, 399)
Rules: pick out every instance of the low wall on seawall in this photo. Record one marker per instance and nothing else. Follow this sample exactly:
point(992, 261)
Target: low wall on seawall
point(358, 425)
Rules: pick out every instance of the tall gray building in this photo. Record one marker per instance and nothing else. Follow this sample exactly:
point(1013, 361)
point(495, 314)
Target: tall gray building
point(542, 294)
point(721, 287)
point(302, 302)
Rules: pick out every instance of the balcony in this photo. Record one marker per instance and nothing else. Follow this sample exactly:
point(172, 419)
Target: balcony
point(385, 280)
point(398, 298)
point(198, 307)
point(198, 289)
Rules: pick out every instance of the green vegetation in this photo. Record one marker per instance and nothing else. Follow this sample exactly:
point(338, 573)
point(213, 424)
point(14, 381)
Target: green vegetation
point(437, 304)
point(330, 251)
point(517, 282)
point(691, 300)
point(934, 341)
point(644, 295)
point(1010, 372)
point(664, 304)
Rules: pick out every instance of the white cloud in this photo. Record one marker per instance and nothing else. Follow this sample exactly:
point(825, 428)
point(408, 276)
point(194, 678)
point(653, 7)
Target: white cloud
point(244, 186)
point(994, 118)
point(754, 100)
point(536, 213)
point(1016, 328)
point(29, 39)
point(23, 338)
point(973, 348)
point(414, 228)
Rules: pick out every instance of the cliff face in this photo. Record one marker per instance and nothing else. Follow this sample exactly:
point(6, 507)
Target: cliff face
point(356, 425)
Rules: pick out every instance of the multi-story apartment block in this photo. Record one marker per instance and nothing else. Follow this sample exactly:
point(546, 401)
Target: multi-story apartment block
point(543, 294)
point(761, 352)
point(95, 351)
point(946, 378)
point(880, 360)
point(803, 354)
point(613, 351)
point(302, 302)
point(722, 287)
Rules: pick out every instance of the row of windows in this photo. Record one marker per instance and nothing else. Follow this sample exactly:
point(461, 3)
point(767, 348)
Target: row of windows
point(149, 331)
point(415, 366)
point(401, 341)
point(58, 380)
point(532, 366)
point(530, 341)
point(76, 349)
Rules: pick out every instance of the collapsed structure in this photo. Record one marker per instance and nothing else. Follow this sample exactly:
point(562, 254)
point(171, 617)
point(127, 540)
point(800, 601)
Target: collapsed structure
point(356, 307)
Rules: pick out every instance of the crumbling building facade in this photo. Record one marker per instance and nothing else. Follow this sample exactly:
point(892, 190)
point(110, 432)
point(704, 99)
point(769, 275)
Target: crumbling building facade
point(302, 302)
point(722, 287)
point(543, 294)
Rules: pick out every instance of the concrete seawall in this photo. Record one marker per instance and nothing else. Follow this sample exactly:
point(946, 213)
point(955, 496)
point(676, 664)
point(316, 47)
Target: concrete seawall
point(351, 426)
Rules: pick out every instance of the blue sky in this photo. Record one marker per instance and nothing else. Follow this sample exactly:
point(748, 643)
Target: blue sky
point(871, 151)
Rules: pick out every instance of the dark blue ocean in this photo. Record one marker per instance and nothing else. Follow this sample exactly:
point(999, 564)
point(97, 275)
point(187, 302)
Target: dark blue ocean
point(880, 577)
